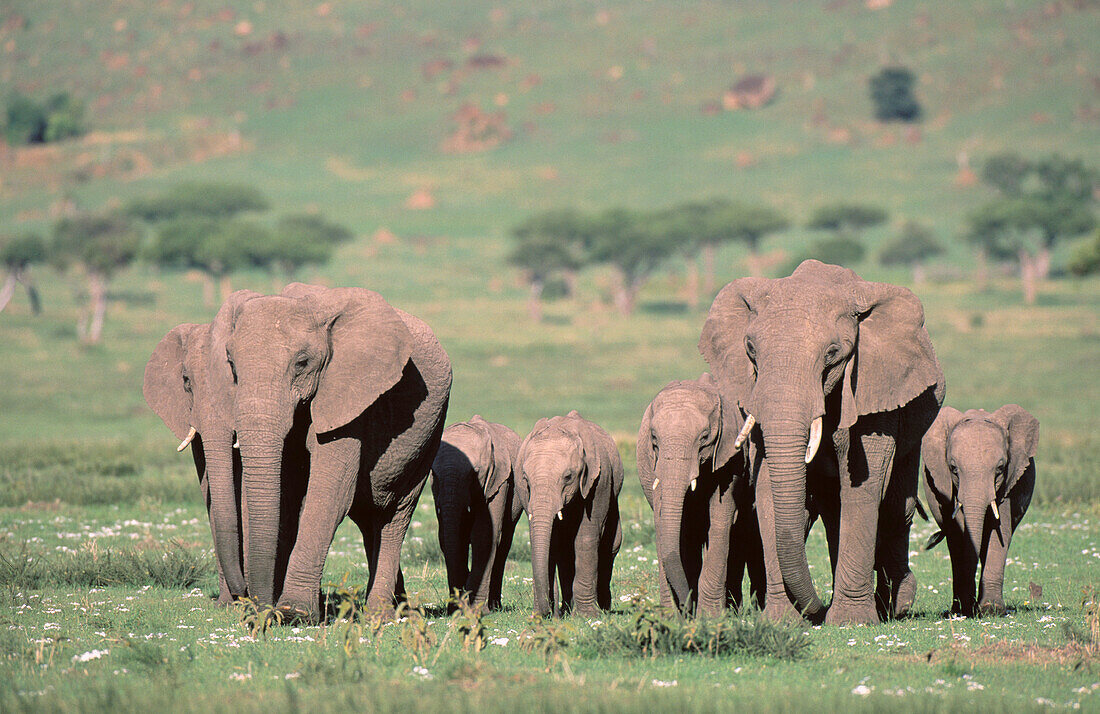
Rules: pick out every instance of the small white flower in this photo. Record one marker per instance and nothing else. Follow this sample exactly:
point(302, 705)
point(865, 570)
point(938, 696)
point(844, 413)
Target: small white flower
point(89, 656)
point(861, 690)
point(501, 641)
point(240, 676)
point(659, 683)
point(293, 675)
point(422, 672)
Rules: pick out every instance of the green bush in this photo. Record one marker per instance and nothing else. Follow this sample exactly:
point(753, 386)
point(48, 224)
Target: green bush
point(29, 122)
point(1086, 256)
point(169, 566)
point(210, 200)
point(892, 95)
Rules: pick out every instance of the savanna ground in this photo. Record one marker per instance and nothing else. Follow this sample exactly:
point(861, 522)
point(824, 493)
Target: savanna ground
point(106, 569)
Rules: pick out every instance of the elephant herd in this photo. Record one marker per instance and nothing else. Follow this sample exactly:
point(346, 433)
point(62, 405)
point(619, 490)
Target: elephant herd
point(824, 395)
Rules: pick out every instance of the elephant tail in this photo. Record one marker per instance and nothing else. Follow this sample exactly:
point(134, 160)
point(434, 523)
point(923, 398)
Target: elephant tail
point(920, 509)
point(934, 539)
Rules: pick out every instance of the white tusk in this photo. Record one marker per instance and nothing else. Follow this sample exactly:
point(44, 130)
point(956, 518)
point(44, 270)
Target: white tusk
point(815, 439)
point(187, 440)
point(655, 482)
point(996, 513)
point(560, 517)
point(236, 443)
point(693, 482)
point(955, 513)
point(750, 422)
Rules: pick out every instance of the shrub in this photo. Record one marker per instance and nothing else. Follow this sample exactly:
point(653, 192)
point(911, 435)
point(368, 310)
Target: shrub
point(29, 122)
point(211, 200)
point(1086, 256)
point(892, 95)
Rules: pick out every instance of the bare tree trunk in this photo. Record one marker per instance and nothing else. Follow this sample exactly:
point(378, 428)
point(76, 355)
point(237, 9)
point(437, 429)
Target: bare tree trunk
point(709, 250)
point(97, 296)
point(32, 291)
point(626, 293)
point(570, 278)
point(918, 274)
point(534, 301)
point(1029, 272)
point(208, 289)
point(1042, 262)
point(752, 262)
point(691, 288)
point(7, 290)
point(226, 286)
point(981, 274)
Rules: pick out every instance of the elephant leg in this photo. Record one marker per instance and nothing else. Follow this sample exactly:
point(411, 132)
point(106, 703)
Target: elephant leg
point(713, 573)
point(327, 501)
point(897, 586)
point(496, 582)
point(753, 556)
point(964, 564)
point(562, 547)
point(225, 597)
point(777, 603)
point(484, 533)
point(870, 459)
point(735, 564)
point(610, 544)
point(586, 562)
point(991, 588)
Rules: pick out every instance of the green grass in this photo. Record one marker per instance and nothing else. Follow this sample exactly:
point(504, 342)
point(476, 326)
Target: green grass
point(104, 543)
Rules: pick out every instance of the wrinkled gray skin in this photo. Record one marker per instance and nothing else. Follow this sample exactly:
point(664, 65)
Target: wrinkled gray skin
point(189, 385)
point(368, 385)
point(697, 484)
point(477, 506)
point(972, 461)
point(823, 343)
point(569, 475)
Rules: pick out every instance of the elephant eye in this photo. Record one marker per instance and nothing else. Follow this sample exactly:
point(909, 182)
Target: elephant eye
point(832, 353)
point(953, 468)
point(301, 362)
point(750, 349)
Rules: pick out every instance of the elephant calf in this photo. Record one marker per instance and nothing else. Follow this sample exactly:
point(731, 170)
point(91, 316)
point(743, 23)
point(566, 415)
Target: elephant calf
point(569, 475)
point(979, 473)
point(694, 475)
point(477, 506)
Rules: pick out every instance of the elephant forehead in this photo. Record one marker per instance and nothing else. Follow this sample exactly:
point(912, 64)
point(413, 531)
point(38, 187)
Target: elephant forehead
point(461, 439)
point(977, 438)
point(552, 447)
point(810, 298)
point(682, 418)
point(274, 315)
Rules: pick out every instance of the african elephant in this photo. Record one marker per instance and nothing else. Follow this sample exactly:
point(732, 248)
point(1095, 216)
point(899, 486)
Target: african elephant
point(978, 465)
point(694, 476)
point(189, 385)
point(569, 475)
point(477, 505)
point(823, 354)
point(368, 385)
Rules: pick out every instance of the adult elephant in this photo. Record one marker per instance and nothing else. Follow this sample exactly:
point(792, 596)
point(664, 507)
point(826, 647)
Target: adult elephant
point(823, 354)
point(369, 384)
point(189, 385)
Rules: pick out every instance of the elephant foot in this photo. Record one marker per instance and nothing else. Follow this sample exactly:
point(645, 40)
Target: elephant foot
point(992, 607)
point(781, 609)
point(298, 613)
point(848, 612)
point(586, 610)
point(907, 593)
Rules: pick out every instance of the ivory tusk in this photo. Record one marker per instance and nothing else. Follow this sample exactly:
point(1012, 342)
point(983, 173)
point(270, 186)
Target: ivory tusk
point(655, 482)
point(560, 517)
point(815, 440)
point(955, 513)
point(187, 440)
point(693, 483)
point(996, 513)
point(236, 443)
point(750, 422)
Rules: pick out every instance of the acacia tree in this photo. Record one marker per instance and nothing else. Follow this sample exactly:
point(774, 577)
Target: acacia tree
point(548, 246)
point(234, 245)
point(911, 247)
point(685, 227)
point(1003, 229)
point(299, 240)
point(747, 223)
point(17, 254)
point(634, 246)
point(101, 244)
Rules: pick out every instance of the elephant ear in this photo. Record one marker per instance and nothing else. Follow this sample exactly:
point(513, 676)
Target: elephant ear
point(722, 342)
point(220, 373)
point(647, 460)
point(1023, 438)
point(370, 346)
point(489, 478)
point(164, 387)
point(505, 451)
point(894, 362)
point(934, 453)
point(601, 460)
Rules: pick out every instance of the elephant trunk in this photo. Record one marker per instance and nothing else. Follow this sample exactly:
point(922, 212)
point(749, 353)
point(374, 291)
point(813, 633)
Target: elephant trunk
point(224, 511)
point(975, 495)
point(542, 526)
point(785, 442)
point(670, 507)
point(261, 457)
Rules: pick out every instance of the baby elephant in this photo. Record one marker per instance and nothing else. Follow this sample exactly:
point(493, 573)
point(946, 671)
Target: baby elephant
point(477, 506)
point(569, 475)
point(979, 472)
point(693, 474)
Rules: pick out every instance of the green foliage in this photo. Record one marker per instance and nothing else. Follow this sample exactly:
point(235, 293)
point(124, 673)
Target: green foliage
point(840, 249)
point(914, 244)
point(742, 222)
point(172, 565)
point(234, 245)
point(630, 241)
point(258, 618)
point(850, 217)
point(177, 242)
point(29, 122)
point(1086, 256)
point(101, 242)
point(23, 249)
point(303, 239)
point(892, 95)
point(550, 242)
point(209, 200)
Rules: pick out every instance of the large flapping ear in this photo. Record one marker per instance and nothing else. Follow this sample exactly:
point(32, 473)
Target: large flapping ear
point(647, 460)
point(370, 347)
point(164, 387)
point(722, 342)
point(727, 424)
point(933, 452)
point(894, 362)
point(230, 309)
point(1023, 438)
point(601, 458)
point(221, 375)
point(505, 452)
point(487, 476)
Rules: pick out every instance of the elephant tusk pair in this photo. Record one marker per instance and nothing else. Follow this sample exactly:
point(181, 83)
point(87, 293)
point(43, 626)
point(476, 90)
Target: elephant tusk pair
point(815, 440)
point(188, 439)
point(996, 513)
point(750, 422)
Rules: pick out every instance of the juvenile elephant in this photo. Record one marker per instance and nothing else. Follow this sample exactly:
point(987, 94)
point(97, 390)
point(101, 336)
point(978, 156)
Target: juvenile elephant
point(477, 505)
point(189, 385)
point(979, 473)
point(569, 475)
point(694, 475)
point(368, 385)
point(825, 355)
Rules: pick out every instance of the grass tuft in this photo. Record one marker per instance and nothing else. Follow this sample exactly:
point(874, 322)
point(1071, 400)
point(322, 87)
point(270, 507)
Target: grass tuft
point(169, 566)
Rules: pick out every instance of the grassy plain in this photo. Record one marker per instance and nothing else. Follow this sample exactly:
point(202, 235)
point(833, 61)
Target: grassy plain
point(104, 546)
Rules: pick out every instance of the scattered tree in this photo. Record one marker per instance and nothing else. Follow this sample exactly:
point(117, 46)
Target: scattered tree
point(912, 247)
point(17, 254)
point(208, 200)
point(634, 245)
point(31, 122)
point(234, 245)
point(549, 246)
point(851, 218)
point(300, 240)
point(892, 95)
point(1086, 256)
point(176, 245)
point(1003, 230)
point(746, 223)
point(101, 244)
